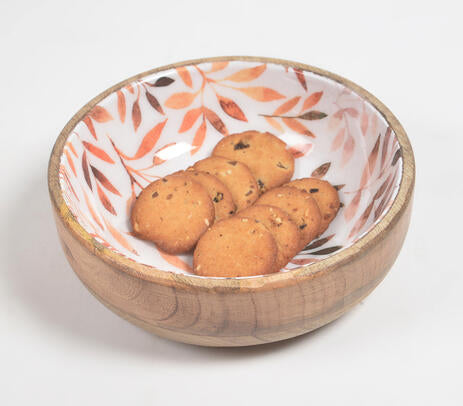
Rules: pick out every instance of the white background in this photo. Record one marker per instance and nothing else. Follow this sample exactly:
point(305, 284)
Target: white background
point(58, 346)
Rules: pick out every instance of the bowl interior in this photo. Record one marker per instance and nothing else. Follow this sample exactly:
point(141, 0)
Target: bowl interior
point(166, 121)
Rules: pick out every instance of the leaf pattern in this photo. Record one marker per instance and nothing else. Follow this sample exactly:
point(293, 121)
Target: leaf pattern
point(185, 76)
point(321, 171)
point(231, 108)
point(180, 100)
point(105, 201)
point(98, 152)
point(287, 106)
point(189, 119)
point(119, 237)
point(162, 82)
point(312, 115)
point(246, 75)
point(199, 137)
point(89, 124)
point(136, 115)
point(71, 163)
point(154, 102)
point(301, 78)
point(260, 93)
point(104, 181)
point(216, 66)
point(351, 209)
point(312, 100)
point(274, 123)
point(370, 164)
point(175, 261)
point(338, 140)
point(298, 127)
point(348, 150)
point(100, 114)
point(300, 150)
point(85, 170)
point(149, 141)
point(318, 243)
point(121, 105)
point(216, 122)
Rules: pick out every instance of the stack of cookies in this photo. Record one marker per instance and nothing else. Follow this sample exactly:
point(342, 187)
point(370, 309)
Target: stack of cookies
point(232, 209)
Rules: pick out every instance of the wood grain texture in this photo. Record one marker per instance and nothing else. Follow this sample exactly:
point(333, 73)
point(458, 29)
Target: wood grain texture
point(236, 312)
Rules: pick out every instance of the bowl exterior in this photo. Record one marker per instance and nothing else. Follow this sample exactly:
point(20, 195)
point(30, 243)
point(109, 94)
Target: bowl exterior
point(238, 316)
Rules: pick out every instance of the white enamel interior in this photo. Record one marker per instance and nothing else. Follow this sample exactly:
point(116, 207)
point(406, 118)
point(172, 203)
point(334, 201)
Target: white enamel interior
point(345, 138)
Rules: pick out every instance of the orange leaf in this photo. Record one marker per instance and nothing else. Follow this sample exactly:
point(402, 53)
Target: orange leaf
point(189, 119)
point(231, 108)
point(352, 112)
point(185, 75)
point(198, 138)
point(157, 160)
point(216, 66)
point(351, 209)
point(371, 163)
point(338, 140)
point(286, 106)
point(92, 210)
point(85, 170)
point(364, 122)
point(149, 141)
point(129, 87)
point(312, 100)
point(301, 78)
point(259, 93)
point(180, 100)
point(348, 150)
point(274, 123)
point(248, 74)
point(136, 115)
point(100, 114)
point(119, 237)
point(175, 261)
point(300, 150)
point(121, 105)
point(105, 201)
point(297, 126)
point(71, 147)
point(98, 152)
point(89, 124)
point(104, 181)
point(71, 164)
point(216, 122)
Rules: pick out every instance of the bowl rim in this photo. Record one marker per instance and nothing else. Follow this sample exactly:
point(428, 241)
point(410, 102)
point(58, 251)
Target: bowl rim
point(168, 278)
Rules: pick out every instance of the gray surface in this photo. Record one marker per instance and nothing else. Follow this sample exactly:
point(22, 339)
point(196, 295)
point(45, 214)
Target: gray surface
point(59, 346)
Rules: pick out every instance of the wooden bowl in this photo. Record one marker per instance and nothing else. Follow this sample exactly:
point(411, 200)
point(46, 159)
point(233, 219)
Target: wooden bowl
point(165, 119)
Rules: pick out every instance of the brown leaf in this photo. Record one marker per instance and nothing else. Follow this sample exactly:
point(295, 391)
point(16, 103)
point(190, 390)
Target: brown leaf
point(301, 78)
point(198, 138)
point(121, 105)
point(180, 100)
point(149, 141)
point(274, 123)
point(318, 243)
point(386, 198)
point(312, 115)
point(286, 106)
point(104, 181)
point(231, 108)
point(262, 94)
point(326, 251)
point(185, 76)
point(189, 119)
point(362, 220)
point(216, 122)
point(85, 170)
point(98, 152)
point(321, 170)
point(100, 114)
point(162, 82)
point(382, 188)
point(370, 164)
point(154, 102)
point(297, 126)
point(387, 138)
point(397, 155)
point(312, 100)
point(248, 74)
point(136, 115)
point(216, 66)
point(105, 201)
point(351, 209)
point(89, 124)
point(339, 187)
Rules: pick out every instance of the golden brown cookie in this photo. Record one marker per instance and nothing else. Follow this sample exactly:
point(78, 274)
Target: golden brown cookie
point(324, 194)
point(280, 225)
point(218, 192)
point(264, 154)
point(173, 212)
point(235, 247)
point(300, 206)
point(235, 176)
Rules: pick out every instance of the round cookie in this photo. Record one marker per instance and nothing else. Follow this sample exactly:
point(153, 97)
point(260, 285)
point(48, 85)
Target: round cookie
point(173, 212)
point(264, 154)
point(235, 176)
point(218, 192)
point(280, 225)
point(300, 206)
point(235, 247)
point(324, 194)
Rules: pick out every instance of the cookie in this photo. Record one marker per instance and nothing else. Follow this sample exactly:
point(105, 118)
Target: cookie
point(300, 206)
point(218, 192)
point(235, 247)
point(324, 194)
point(264, 154)
point(280, 225)
point(173, 212)
point(235, 176)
